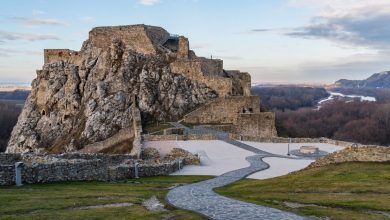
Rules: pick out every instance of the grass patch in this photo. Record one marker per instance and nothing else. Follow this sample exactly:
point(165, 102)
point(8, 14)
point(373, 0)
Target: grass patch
point(155, 127)
point(343, 191)
point(61, 200)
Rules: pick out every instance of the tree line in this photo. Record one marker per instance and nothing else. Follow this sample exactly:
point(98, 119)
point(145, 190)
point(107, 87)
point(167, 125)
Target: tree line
point(289, 97)
point(9, 113)
point(361, 122)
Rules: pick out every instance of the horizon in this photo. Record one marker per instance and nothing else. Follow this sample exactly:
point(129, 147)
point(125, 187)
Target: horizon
point(290, 42)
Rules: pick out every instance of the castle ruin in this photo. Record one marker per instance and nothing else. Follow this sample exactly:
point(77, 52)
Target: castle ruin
point(99, 98)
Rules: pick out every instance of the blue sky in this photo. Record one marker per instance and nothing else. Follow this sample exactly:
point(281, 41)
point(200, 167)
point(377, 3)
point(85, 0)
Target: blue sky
point(279, 41)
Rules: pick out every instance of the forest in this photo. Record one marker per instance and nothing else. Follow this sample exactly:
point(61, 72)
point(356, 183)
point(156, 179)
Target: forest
point(9, 113)
point(289, 97)
point(361, 122)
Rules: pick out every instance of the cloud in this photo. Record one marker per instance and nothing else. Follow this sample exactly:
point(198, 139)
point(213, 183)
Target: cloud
point(87, 19)
point(33, 21)
point(228, 57)
point(7, 52)
point(352, 22)
point(9, 36)
point(149, 2)
point(200, 46)
point(38, 12)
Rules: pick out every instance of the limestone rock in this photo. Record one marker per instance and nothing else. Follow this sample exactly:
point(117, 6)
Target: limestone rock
point(150, 154)
point(84, 97)
point(189, 158)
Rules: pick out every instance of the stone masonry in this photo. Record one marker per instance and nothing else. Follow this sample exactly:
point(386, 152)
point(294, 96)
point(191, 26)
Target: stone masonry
point(237, 115)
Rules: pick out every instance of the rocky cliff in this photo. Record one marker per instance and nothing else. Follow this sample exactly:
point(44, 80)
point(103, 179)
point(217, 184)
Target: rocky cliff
point(84, 97)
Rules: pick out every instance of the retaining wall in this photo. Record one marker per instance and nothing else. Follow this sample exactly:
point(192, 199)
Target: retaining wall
point(82, 167)
point(173, 137)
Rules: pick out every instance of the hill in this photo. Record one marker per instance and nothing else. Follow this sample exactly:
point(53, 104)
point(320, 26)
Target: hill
point(377, 80)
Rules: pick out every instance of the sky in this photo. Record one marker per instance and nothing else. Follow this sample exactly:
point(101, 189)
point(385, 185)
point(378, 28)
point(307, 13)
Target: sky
point(276, 41)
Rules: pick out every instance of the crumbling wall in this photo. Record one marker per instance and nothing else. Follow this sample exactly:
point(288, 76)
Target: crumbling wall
point(141, 38)
point(224, 110)
point(193, 70)
point(211, 67)
point(256, 125)
point(183, 48)
point(241, 82)
point(54, 55)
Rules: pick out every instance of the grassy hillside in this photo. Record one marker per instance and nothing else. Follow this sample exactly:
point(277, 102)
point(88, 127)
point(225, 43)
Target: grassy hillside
point(69, 200)
point(344, 191)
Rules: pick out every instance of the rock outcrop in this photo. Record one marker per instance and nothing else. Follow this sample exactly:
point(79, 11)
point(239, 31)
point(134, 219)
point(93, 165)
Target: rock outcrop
point(82, 98)
point(354, 154)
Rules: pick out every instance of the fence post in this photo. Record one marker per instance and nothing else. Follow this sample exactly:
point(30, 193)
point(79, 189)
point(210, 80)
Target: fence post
point(18, 173)
point(136, 165)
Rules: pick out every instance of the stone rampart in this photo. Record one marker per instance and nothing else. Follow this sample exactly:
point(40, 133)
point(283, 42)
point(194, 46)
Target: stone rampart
point(54, 55)
point(172, 137)
point(82, 167)
point(205, 71)
point(224, 110)
point(141, 38)
point(256, 125)
point(241, 82)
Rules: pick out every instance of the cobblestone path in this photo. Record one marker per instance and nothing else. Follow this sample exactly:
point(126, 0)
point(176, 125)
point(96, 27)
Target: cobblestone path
point(200, 197)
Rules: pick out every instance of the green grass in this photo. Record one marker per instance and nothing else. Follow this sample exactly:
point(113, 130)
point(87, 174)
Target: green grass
point(155, 128)
point(344, 191)
point(59, 200)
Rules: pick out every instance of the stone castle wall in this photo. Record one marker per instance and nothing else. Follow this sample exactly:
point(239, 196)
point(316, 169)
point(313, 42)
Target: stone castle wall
point(241, 82)
point(172, 137)
point(141, 38)
point(53, 55)
point(82, 167)
point(256, 125)
point(224, 110)
point(204, 71)
point(183, 48)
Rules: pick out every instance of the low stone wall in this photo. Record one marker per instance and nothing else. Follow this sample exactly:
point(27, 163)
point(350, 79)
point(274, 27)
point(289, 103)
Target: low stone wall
point(355, 154)
point(9, 159)
point(7, 175)
point(292, 140)
point(228, 128)
point(82, 167)
point(172, 137)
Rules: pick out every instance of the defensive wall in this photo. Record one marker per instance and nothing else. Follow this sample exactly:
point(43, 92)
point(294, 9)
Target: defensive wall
point(84, 167)
point(140, 38)
point(52, 55)
point(224, 110)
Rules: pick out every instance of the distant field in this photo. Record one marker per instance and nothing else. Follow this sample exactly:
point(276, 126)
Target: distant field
point(71, 200)
point(346, 191)
point(17, 102)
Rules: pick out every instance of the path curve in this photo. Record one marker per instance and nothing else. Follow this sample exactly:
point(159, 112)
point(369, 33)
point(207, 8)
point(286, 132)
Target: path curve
point(200, 197)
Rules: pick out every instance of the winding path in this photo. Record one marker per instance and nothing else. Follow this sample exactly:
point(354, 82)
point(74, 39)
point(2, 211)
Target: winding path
point(200, 197)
